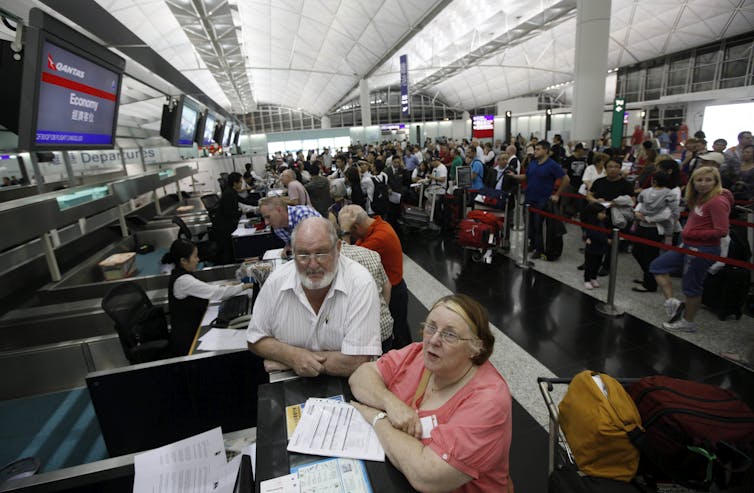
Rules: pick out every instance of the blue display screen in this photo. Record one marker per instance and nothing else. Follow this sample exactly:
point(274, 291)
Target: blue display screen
point(77, 100)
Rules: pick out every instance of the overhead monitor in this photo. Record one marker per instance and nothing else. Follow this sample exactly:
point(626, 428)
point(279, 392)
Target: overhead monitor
point(483, 126)
point(70, 89)
point(209, 129)
point(218, 134)
point(226, 134)
point(237, 136)
point(179, 122)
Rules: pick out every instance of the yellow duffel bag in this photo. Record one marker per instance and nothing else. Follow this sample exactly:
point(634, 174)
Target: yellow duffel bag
point(597, 417)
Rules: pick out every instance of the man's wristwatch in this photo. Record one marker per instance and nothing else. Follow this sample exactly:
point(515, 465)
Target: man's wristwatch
point(378, 417)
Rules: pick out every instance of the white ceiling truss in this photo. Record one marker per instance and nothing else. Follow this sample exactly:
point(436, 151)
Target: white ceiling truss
point(310, 55)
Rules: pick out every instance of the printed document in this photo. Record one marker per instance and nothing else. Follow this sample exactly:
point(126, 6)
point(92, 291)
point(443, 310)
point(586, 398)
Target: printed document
point(222, 340)
point(194, 465)
point(335, 429)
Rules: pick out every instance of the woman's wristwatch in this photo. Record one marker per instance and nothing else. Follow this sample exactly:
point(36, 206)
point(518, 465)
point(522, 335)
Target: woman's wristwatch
point(378, 417)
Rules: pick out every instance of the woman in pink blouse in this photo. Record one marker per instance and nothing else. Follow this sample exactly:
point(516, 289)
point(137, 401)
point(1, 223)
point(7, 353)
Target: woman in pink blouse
point(441, 411)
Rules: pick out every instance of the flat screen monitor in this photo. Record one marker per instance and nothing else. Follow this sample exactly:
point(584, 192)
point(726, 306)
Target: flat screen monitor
point(237, 135)
point(70, 89)
point(227, 129)
point(209, 130)
point(187, 123)
point(218, 135)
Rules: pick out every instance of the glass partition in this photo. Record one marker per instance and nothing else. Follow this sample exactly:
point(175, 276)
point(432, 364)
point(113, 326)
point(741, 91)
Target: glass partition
point(82, 196)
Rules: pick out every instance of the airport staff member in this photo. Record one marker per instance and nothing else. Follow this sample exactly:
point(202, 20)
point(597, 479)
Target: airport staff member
point(318, 314)
point(188, 297)
point(227, 216)
point(378, 235)
point(284, 218)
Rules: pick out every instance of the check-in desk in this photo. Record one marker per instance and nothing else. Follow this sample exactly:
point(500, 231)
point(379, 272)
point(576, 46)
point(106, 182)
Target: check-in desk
point(274, 460)
point(248, 242)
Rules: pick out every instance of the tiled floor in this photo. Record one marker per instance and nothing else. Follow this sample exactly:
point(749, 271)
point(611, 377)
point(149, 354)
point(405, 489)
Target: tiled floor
point(547, 327)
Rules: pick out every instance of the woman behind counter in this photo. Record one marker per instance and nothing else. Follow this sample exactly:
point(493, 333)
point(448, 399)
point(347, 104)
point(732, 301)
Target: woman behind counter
point(188, 297)
point(447, 409)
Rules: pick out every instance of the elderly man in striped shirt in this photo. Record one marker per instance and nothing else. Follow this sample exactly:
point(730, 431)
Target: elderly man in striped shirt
point(318, 314)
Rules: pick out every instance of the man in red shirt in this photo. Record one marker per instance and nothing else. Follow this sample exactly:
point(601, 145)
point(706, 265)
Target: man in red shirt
point(375, 234)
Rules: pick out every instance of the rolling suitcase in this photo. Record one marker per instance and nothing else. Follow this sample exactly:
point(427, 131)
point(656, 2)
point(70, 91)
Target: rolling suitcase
point(415, 217)
point(725, 292)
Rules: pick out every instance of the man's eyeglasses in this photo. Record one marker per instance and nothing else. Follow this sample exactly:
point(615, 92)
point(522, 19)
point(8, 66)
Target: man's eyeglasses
point(428, 330)
point(303, 258)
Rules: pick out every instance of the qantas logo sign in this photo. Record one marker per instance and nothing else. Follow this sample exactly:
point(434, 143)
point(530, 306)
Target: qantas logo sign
point(61, 67)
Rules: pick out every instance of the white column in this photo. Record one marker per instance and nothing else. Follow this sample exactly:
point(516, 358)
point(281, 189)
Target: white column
point(325, 122)
point(366, 107)
point(590, 67)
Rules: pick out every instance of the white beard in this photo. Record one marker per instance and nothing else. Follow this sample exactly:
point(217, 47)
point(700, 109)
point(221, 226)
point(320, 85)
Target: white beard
point(322, 283)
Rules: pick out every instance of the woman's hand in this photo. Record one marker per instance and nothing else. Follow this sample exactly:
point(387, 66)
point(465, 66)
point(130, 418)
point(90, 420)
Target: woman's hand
point(404, 418)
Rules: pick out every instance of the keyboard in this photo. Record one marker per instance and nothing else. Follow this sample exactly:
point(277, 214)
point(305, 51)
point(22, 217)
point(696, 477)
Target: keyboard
point(232, 309)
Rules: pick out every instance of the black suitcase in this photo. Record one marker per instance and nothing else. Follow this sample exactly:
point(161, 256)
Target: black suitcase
point(725, 292)
point(415, 217)
point(567, 479)
point(553, 234)
point(452, 210)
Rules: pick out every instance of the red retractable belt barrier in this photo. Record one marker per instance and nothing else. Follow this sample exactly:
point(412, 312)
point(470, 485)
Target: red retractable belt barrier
point(638, 239)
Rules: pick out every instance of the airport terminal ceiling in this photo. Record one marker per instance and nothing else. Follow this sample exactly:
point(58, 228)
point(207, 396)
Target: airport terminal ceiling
point(311, 54)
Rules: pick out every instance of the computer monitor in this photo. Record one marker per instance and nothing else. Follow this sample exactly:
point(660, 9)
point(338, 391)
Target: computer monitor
point(70, 89)
point(190, 394)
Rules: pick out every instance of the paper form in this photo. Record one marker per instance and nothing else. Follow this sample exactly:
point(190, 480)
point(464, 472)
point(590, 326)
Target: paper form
point(196, 464)
point(222, 339)
point(335, 429)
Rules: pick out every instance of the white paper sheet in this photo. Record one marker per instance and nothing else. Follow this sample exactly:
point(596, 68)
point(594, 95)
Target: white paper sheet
point(222, 340)
point(335, 429)
point(196, 464)
point(282, 484)
point(273, 254)
point(210, 314)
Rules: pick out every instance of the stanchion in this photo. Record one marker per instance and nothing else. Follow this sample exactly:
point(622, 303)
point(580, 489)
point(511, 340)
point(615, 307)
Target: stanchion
point(524, 262)
point(517, 212)
point(609, 307)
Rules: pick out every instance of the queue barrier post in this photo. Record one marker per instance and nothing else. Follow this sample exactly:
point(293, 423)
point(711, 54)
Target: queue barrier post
point(517, 226)
point(608, 308)
point(524, 262)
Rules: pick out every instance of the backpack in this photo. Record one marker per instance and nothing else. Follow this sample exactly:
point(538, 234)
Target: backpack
point(380, 198)
point(697, 434)
point(490, 176)
point(486, 218)
point(599, 425)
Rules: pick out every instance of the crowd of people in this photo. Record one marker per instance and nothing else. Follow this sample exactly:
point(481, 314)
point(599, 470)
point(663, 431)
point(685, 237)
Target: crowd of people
point(345, 300)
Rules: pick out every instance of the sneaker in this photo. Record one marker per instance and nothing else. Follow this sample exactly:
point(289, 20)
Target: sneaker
point(603, 272)
point(595, 283)
point(671, 305)
point(678, 313)
point(681, 325)
point(589, 285)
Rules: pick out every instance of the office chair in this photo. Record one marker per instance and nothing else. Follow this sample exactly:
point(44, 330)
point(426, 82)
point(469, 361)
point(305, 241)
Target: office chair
point(142, 327)
point(207, 249)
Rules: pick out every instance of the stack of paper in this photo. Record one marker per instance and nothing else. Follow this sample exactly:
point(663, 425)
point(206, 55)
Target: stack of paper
point(196, 464)
point(335, 429)
point(222, 340)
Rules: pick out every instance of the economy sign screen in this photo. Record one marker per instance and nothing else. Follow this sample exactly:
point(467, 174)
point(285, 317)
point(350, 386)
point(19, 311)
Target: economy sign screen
point(483, 126)
point(209, 130)
point(77, 100)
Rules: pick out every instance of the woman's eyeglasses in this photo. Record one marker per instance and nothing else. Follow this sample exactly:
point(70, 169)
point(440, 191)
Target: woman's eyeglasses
point(428, 330)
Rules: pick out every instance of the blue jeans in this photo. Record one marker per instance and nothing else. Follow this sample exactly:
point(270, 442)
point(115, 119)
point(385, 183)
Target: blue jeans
point(694, 268)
